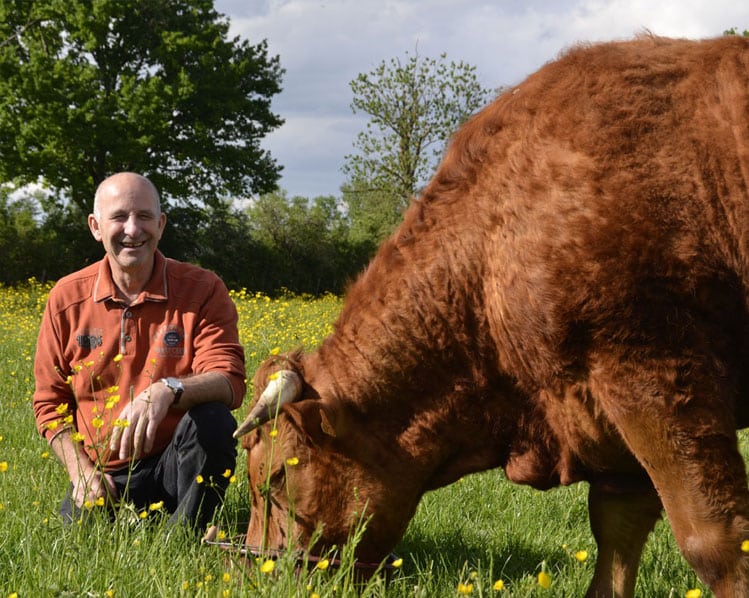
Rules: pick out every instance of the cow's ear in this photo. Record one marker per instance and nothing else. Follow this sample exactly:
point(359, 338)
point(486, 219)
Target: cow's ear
point(320, 422)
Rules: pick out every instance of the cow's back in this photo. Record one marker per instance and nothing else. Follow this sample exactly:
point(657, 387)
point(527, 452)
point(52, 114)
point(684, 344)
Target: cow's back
point(612, 189)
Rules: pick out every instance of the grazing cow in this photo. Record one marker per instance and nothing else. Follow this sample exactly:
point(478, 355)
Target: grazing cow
point(568, 300)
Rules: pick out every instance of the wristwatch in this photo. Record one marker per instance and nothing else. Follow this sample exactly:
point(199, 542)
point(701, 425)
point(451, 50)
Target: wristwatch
point(176, 386)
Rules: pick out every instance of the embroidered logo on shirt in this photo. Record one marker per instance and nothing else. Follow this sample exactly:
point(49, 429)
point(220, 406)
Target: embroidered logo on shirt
point(169, 341)
point(90, 339)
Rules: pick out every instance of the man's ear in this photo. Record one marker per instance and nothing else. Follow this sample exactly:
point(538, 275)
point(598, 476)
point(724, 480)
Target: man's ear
point(320, 422)
point(93, 225)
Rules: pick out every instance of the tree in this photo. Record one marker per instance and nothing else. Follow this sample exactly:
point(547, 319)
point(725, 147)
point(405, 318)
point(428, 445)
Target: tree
point(414, 105)
point(90, 87)
point(305, 243)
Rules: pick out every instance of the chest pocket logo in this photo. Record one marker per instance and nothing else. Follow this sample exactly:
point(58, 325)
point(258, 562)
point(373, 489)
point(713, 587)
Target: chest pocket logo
point(90, 339)
point(170, 341)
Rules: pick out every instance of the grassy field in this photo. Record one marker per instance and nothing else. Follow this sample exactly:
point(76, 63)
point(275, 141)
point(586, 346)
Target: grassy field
point(481, 536)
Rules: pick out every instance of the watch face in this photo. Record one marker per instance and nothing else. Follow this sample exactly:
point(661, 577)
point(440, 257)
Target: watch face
point(175, 384)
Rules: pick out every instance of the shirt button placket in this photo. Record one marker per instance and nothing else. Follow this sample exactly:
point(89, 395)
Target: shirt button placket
point(125, 336)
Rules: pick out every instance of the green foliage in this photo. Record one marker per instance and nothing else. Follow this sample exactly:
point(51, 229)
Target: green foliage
point(415, 105)
point(91, 87)
point(735, 31)
point(306, 245)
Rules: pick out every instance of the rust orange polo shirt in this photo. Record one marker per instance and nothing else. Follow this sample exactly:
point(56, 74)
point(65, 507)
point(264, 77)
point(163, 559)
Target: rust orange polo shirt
point(94, 352)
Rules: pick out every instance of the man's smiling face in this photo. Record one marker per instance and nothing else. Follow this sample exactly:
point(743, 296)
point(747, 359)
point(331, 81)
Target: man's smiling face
point(128, 221)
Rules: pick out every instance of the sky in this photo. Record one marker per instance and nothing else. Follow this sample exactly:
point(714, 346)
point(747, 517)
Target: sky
point(325, 44)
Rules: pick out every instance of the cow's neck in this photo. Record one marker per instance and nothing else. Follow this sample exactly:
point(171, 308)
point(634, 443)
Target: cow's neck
point(411, 353)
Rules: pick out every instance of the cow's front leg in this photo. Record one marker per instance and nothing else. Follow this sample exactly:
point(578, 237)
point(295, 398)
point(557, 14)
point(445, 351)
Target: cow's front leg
point(677, 417)
point(621, 521)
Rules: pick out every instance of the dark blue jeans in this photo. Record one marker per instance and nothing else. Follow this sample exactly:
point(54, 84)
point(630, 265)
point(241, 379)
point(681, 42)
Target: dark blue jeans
point(202, 446)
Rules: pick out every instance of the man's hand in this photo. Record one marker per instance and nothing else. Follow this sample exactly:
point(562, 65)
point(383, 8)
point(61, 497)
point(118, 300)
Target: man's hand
point(143, 414)
point(91, 486)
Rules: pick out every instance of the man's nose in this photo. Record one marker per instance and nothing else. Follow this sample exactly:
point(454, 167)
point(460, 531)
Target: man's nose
point(132, 228)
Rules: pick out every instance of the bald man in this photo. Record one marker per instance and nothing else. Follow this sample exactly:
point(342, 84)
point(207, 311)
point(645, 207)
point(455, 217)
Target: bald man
point(138, 367)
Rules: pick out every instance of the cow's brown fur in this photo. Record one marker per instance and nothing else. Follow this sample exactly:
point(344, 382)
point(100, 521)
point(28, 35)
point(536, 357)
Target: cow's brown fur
point(568, 300)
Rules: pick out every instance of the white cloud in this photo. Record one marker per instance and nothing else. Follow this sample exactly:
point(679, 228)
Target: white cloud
point(324, 44)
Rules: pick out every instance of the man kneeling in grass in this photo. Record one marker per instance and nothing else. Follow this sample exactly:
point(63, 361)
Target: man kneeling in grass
point(138, 366)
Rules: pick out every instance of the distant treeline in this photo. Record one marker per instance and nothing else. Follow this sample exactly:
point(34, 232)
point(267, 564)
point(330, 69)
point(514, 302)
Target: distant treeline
point(305, 246)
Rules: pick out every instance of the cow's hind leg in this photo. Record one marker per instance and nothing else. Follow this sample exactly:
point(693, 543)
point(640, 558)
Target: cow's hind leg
point(621, 519)
point(678, 422)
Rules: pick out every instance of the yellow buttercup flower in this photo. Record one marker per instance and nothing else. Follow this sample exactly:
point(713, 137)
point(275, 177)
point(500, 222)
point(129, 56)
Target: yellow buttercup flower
point(323, 564)
point(581, 555)
point(745, 546)
point(227, 473)
point(544, 580)
point(3, 466)
point(117, 358)
point(292, 461)
point(499, 585)
point(97, 422)
point(199, 479)
point(77, 437)
point(268, 566)
point(397, 563)
point(694, 593)
point(155, 506)
point(465, 588)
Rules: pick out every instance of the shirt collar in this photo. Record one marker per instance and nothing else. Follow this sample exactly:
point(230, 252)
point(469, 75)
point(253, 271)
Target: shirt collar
point(155, 289)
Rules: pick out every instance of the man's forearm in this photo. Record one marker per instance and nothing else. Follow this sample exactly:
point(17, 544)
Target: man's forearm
point(204, 388)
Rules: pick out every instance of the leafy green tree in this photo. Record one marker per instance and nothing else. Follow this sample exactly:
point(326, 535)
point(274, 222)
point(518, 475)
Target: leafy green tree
point(90, 87)
point(415, 105)
point(305, 243)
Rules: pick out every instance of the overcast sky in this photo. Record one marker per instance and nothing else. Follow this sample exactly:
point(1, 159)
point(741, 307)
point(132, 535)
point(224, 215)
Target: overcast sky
point(324, 44)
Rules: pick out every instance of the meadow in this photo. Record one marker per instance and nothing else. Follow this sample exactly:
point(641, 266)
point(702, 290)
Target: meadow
point(482, 536)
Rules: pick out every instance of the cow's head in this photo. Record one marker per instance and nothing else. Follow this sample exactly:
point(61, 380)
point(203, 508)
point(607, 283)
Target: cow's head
point(310, 473)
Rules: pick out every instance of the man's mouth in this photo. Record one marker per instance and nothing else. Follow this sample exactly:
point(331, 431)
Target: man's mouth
point(131, 245)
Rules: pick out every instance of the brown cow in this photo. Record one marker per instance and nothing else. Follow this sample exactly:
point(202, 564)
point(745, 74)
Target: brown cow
point(568, 300)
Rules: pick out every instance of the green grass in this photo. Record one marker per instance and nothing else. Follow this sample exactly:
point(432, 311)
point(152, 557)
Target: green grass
point(477, 531)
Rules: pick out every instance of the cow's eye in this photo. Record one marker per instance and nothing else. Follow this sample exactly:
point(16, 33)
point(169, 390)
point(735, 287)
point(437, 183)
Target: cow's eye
point(277, 478)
